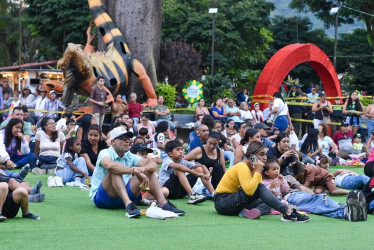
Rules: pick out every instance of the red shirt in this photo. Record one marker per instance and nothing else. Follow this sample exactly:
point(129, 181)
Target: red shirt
point(134, 109)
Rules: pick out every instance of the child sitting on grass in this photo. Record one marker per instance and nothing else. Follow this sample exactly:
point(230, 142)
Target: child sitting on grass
point(162, 136)
point(358, 146)
point(140, 149)
point(350, 180)
point(71, 167)
point(322, 179)
point(273, 180)
point(143, 132)
point(173, 176)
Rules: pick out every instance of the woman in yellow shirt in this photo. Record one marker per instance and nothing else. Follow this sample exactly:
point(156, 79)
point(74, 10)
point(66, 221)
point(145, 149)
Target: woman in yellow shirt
point(241, 191)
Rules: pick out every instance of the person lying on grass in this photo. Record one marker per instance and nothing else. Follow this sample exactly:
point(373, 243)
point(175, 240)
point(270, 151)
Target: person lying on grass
point(298, 195)
point(313, 176)
point(118, 174)
point(173, 174)
point(350, 180)
point(12, 200)
point(241, 192)
point(15, 181)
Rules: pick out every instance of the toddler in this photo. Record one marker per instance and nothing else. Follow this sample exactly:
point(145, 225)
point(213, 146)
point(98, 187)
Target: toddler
point(358, 146)
point(162, 136)
point(273, 180)
point(70, 167)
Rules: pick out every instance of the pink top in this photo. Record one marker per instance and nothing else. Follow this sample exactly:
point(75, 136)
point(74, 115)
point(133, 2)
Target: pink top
point(371, 156)
point(278, 186)
point(150, 127)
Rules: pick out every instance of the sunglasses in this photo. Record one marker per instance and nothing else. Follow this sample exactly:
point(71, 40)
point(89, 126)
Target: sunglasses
point(124, 138)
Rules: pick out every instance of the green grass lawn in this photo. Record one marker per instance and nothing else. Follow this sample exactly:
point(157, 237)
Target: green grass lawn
point(69, 220)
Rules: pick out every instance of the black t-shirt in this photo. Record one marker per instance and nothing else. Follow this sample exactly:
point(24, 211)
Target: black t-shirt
point(274, 152)
point(87, 149)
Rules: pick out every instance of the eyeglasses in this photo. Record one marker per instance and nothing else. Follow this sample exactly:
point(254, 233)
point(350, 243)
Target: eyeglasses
point(124, 138)
point(51, 123)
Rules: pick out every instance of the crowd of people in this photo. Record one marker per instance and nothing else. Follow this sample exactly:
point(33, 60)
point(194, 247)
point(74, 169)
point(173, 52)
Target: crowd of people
point(272, 165)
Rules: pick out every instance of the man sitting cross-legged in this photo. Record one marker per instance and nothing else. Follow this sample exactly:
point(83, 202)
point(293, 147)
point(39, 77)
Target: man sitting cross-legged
point(118, 175)
point(12, 201)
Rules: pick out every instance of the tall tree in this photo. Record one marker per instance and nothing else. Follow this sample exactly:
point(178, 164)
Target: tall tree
point(140, 23)
point(58, 22)
point(356, 60)
point(321, 9)
point(241, 34)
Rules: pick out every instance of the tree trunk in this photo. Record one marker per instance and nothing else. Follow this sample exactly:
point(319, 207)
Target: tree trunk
point(140, 24)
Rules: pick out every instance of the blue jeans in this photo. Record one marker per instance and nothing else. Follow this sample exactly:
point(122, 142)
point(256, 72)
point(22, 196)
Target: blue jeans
point(227, 154)
point(370, 127)
point(69, 175)
point(317, 204)
point(281, 123)
point(171, 124)
point(22, 160)
point(47, 159)
point(354, 181)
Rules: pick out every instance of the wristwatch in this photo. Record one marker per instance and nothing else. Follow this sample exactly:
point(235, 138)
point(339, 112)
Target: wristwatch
point(283, 157)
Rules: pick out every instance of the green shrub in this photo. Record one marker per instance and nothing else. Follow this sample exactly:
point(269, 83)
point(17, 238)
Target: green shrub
point(365, 101)
point(168, 92)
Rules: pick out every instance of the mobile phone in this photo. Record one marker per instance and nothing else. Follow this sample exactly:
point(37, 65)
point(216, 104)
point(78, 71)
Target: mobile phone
point(123, 97)
point(253, 160)
point(293, 147)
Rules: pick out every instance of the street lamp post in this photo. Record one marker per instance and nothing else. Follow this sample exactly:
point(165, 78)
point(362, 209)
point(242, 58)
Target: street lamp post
point(213, 11)
point(334, 10)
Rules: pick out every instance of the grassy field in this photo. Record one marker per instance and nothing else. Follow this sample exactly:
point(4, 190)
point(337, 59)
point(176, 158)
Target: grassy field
point(69, 220)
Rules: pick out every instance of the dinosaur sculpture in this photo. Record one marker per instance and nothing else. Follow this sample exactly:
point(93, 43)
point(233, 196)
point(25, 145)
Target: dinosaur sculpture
point(81, 66)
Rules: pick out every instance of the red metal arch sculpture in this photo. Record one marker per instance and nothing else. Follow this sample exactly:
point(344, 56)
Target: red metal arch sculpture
point(285, 60)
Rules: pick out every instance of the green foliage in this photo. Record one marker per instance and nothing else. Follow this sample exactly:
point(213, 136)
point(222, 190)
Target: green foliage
point(245, 79)
point(321, 10)
point(58, 22)
point(241, 34)
point(168, 92)
point(366, 101)
point(217, 86)
point(355, 58)
point(179, 62)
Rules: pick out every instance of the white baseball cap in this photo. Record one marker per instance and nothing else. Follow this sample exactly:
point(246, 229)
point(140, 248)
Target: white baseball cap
point(118, 132)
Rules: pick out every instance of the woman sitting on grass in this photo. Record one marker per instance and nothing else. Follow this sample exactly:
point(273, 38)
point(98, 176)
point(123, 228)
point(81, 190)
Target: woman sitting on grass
point(14, 148)
point(241, 190)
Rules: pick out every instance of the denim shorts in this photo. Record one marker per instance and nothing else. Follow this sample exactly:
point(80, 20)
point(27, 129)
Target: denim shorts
point(103, 200)
point(356, 120)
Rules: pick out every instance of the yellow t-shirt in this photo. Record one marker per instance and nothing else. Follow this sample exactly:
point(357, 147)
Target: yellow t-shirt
point(239, 177)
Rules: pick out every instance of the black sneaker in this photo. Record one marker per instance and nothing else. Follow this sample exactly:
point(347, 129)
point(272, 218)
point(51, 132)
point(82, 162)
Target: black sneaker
point(170, 207)
point(295, 217)
point(132, 211)
point(356, 206)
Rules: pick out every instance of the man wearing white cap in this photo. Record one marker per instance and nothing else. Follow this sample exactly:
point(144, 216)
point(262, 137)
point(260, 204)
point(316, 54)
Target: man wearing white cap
point(53, 104)
point(119, 173)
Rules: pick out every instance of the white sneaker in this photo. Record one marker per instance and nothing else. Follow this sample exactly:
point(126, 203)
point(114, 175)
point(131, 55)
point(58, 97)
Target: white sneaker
point(58, 180)
point(77, 182)
point(51, 182)
point(158, 213)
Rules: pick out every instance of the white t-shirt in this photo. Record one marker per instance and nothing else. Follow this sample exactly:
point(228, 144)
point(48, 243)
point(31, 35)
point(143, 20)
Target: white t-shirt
point(160, 138)
point(283, 108)
point(246, 115)
point(325, 143)
point(47, 147)
point(236, 137)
